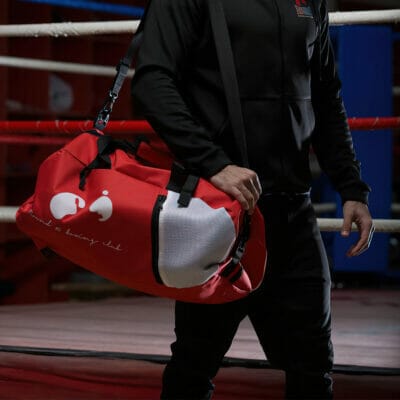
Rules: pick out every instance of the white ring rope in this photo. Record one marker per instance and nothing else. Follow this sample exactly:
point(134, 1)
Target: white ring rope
point(365, 17)
point(57, 66)
point(7, 215)
point(331, 207)
point(381, 225)
point(65, 29)
point(76, 68)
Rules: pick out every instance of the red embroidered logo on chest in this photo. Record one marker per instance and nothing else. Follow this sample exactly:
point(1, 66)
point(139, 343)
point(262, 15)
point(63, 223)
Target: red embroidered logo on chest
point(303, 8)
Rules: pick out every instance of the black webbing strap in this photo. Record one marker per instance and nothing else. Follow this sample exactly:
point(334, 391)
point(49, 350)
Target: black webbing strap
point(103, 116)
point(187, 190)
point(102, 161)
point(315, 6)
point(238, 251)
point(122, 68)
point(229, 80)
point(228, 75)
point(183, 183)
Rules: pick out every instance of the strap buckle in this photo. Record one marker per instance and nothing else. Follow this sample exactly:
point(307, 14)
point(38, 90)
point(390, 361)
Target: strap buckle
point(103, 116)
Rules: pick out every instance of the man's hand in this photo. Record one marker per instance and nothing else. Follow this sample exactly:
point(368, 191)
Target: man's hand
point(240, 183)
point(354, 211)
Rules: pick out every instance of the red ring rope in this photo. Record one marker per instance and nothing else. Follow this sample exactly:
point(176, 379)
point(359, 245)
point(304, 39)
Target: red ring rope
point(374, 123)
point(71, 127)
point(33, 140)
point(23, 128)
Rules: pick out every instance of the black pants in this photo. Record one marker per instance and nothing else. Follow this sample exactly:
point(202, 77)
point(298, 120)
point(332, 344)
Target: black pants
point(290, 313)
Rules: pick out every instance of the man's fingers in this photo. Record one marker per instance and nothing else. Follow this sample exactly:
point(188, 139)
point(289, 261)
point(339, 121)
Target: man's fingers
point(240, 183)
point(366, 234)
point(255, 185)
point(250, 196)
point(359, 246)
point(252, 190)
point(371, 235)
point(243, 196)
point(252, 186)
point(354, 211)
point(239, 195)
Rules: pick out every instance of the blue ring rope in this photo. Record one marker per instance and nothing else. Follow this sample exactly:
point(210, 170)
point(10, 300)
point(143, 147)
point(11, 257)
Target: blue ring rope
point(91, 5)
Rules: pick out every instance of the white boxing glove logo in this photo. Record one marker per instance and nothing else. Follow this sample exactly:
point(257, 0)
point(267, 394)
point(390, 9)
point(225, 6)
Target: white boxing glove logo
point(65, 203)
point(102, 206)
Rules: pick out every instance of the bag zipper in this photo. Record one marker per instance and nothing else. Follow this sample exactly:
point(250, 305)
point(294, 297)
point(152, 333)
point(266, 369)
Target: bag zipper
point(155, 223)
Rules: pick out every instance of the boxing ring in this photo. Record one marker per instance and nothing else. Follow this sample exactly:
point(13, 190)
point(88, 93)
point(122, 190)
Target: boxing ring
point(114, 348)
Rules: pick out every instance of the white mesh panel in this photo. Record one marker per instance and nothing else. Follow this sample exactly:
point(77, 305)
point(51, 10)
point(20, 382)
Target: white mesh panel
point(192, 241)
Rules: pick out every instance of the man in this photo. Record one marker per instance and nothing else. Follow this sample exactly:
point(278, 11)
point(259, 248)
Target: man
point(290, 100)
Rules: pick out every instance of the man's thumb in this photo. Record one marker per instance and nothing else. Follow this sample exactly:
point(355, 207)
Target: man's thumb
point(346, 227)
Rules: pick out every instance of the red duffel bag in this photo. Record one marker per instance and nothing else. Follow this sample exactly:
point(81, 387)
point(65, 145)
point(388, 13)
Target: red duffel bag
point(128, 213)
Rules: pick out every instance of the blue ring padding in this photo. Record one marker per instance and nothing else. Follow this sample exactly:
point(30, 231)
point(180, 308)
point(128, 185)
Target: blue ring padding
point(94, 6)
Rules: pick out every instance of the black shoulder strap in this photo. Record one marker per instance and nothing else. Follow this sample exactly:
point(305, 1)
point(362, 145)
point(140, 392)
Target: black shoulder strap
point(316, 9)
point(228, 74)
point(122, 68)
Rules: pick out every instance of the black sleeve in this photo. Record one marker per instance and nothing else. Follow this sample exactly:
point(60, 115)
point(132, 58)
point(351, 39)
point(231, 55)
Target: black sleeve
point(332, 140)
point(171, 31)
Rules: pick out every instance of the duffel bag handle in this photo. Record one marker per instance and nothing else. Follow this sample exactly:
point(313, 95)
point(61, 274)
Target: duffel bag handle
point(106, 145)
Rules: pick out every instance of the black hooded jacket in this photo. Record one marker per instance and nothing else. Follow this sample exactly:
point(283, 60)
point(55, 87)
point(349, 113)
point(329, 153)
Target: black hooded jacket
point(289, 89)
